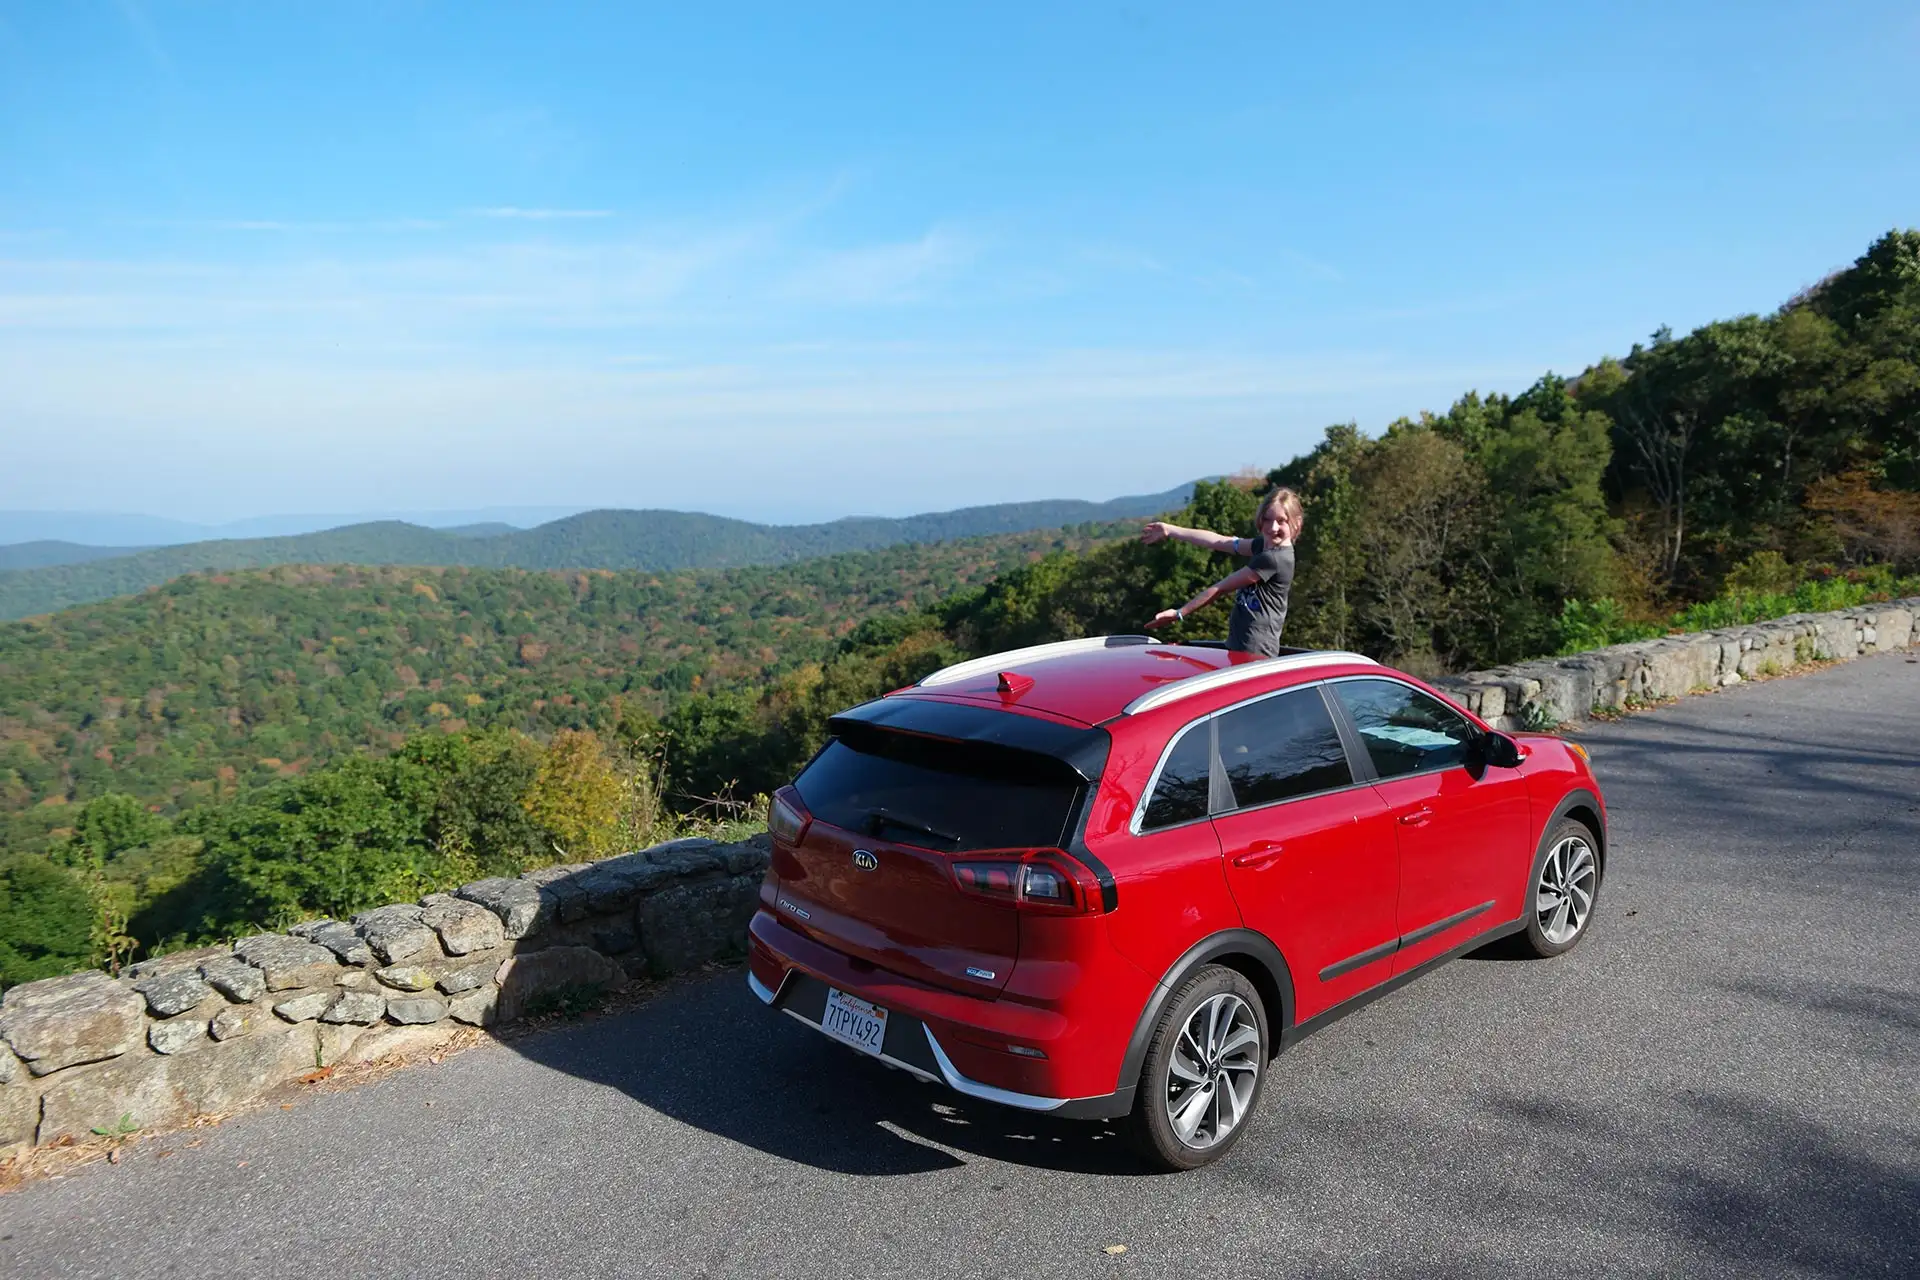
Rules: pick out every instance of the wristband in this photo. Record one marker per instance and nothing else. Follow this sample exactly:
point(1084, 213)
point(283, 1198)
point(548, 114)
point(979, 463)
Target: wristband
point(1181, 613)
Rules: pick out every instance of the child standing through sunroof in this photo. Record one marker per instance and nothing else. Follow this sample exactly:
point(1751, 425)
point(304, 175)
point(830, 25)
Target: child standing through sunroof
point(1259, 589)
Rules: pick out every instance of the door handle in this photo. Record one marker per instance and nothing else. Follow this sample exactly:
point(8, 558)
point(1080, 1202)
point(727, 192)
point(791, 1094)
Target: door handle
point(1258, 854)
point(1416, 818)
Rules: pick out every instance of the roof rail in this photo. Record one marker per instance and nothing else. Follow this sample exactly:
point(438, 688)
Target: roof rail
point(994, 662)
point(1242, 671)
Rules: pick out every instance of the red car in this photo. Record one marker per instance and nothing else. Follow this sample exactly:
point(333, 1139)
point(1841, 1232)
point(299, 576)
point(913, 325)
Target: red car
point(1113, 878)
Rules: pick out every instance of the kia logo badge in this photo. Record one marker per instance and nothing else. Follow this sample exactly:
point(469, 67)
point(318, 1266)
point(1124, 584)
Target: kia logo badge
point(864, 859)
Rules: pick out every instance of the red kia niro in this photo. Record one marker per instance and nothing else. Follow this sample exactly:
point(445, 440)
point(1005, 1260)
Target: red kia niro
point(1113, 878)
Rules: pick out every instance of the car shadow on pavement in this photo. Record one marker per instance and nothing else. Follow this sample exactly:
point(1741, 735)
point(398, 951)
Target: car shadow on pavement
point(709, 1055)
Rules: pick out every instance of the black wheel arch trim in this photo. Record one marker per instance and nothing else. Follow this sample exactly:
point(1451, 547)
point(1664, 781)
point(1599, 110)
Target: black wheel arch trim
point(1228, 942)
point(1582, 798)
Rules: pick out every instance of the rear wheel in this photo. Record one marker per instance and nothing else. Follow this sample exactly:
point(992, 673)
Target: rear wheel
point(1203, 1072)
point(1565, 885)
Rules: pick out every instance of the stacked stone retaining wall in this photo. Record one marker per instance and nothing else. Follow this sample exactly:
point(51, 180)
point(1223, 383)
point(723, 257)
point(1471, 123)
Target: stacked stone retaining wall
point(1554, 691)
point(212, 1030)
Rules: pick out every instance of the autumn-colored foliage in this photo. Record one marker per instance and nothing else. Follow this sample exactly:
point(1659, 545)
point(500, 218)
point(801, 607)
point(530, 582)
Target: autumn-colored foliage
point(1873, 524)
point(576, 796)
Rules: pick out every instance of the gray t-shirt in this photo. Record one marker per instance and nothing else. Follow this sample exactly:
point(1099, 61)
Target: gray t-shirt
point(1260, 611)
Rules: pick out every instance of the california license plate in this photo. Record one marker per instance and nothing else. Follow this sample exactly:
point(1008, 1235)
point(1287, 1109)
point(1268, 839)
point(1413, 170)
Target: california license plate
point(858, 1022)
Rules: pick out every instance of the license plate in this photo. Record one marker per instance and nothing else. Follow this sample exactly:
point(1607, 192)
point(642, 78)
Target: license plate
point(858, 1022)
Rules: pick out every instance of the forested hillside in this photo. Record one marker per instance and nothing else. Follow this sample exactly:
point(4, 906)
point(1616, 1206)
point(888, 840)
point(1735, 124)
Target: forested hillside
point(169, 753)
point(214, 684)
point(653, 540)
point(36, 555)
point(1757, 466)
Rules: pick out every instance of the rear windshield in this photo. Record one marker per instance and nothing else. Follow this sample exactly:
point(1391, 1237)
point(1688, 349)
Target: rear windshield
point(951, 796)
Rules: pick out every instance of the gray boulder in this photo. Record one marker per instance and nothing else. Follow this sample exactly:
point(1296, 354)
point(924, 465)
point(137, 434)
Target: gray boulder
point(463, 927)
point(339, 938)
point(523, 907)
point(174, 991)
point(396, 934)
point(570, 899)
point(179, 1035)
point(171, 961)
point(476, 1008)
point(692, 856)
point(62, 1022)
point(750, 856)
point(304, 1007)
point(689, 924)
point(11, 1068)
point(613, 884)
point(233, 1022)
point(524, 979)
point(406, 977)
point(19, 1117)
point(234, 978)
point(470, 977)
point(415, 1010)
point(154, 1091)
point(361, 1008)
point(287, 962)
point(615, 937)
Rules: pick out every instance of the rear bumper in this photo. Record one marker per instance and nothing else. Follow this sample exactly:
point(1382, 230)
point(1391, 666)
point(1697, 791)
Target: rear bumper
point(792, 973)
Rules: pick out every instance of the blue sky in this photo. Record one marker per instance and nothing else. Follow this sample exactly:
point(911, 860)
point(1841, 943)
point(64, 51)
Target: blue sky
point(792, 262)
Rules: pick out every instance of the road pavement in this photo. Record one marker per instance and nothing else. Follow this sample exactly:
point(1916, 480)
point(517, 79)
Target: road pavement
point(1723, 1079)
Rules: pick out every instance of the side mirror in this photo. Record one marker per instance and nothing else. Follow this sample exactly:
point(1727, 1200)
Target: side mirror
point(1500, 750)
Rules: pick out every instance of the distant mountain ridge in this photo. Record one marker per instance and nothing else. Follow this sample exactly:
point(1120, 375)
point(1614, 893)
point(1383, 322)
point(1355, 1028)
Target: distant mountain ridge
point(646, 540)
point(51, 551)
point(136, 532)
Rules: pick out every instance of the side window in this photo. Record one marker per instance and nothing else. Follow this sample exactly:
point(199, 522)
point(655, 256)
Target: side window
point(1180, 793)
point(1405, 730)
point(1281, 746)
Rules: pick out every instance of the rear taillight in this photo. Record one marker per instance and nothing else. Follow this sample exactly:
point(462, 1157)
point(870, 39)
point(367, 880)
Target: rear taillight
point(786, 820)
point(1046, 880)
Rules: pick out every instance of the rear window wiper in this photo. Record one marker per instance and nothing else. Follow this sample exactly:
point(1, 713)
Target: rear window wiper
point(878, 818)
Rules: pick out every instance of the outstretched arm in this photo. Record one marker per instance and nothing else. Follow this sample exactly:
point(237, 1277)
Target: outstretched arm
point(1159, 530)
point(1226, 586)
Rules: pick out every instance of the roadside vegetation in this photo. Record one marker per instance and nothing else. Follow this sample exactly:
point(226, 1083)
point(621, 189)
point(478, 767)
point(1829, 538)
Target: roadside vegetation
point(228, 753)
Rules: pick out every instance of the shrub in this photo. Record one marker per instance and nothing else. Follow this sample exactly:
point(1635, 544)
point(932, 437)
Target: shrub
point(46, 921)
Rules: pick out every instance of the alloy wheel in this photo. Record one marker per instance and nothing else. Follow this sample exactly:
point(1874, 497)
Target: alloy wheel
point(1213, 1070)
point(1565, 893)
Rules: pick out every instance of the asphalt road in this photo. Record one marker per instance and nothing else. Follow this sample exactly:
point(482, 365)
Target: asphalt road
point(1723, 1079)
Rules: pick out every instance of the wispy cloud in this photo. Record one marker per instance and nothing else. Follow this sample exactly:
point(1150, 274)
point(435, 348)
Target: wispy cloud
point(1127, 259)
point(541, 215)
point(881, 273)
point(295, 226)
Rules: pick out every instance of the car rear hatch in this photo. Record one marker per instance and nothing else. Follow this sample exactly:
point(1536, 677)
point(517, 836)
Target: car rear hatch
point(889, 811)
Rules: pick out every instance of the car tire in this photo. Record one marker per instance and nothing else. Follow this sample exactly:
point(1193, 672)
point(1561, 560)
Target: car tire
point(1202, 1074)
point(1562, 889)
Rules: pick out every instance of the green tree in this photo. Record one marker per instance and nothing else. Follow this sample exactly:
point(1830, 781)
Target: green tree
point(46, 921)
point(1548, 536)
point(1331, 565)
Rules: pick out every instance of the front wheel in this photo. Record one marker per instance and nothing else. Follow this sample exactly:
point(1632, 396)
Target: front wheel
point(1565, 884)
point(1203, 1072)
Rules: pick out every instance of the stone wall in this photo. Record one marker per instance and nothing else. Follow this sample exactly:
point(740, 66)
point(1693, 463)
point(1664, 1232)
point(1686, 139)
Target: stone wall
point(211, 1030)
point(1552, 691)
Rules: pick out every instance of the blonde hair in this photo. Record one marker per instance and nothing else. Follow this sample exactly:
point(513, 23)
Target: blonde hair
point(1289, 502)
